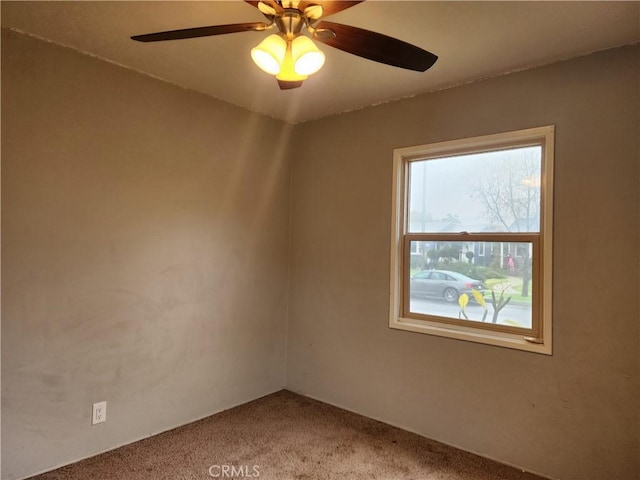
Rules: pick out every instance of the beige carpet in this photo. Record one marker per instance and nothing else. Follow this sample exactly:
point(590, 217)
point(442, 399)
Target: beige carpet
point(287, 437)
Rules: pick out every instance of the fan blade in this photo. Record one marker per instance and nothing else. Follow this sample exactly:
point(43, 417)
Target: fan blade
point(377, 47)
point(200, 32)
point(328, 7)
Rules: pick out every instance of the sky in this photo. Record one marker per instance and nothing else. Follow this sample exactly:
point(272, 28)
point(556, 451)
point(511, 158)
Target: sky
point(445, 185)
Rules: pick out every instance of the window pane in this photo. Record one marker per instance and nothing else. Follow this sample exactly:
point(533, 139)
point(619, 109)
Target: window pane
point(446, 274)
point(482, 192)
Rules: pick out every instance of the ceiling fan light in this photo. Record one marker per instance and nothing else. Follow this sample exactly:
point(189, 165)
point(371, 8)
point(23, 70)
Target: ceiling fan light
point(287, 71)
point(307, 58)
point(269, 54)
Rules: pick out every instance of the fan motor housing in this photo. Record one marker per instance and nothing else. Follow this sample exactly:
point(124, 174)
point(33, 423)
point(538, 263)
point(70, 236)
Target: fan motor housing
point(291, 22)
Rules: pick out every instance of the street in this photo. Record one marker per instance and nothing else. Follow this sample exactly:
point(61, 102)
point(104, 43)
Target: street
point(432, 306)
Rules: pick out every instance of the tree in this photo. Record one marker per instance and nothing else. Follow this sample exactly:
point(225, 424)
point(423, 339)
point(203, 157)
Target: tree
point(509, 188)
point(452, 219)
point(433, 255)
point(450, 252)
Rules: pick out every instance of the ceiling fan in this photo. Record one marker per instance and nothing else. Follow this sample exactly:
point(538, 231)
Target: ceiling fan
point(292, 56)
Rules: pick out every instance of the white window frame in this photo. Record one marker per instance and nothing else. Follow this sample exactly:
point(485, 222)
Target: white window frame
point(470, 331)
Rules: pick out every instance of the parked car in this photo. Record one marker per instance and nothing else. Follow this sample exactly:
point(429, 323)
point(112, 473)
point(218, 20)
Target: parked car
point(443, 284)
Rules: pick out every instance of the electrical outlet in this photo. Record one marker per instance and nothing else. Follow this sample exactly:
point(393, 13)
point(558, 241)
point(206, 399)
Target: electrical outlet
point(99, 413)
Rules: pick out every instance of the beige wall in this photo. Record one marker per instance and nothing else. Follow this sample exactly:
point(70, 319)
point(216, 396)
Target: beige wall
point(574, 415)
point(144, 255)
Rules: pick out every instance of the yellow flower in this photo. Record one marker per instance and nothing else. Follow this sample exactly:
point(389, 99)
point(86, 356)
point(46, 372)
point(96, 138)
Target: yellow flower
point(479, 298)
point(463, 300)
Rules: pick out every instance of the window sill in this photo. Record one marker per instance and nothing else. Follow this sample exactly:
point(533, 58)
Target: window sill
point(471, 334)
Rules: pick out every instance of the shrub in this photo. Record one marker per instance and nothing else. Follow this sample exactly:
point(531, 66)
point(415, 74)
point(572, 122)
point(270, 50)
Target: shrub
point(417, 262)
point(474, 271)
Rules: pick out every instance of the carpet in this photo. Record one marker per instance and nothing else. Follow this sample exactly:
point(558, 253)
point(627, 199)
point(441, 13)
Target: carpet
point(285, 436)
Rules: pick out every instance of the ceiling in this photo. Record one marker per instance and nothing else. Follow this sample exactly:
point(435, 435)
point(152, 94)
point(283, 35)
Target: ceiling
point(473, 40)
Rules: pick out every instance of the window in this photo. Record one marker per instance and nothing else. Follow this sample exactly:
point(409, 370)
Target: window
point(471, 239)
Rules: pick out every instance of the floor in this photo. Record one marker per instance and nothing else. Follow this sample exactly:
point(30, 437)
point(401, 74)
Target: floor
point(285, 436)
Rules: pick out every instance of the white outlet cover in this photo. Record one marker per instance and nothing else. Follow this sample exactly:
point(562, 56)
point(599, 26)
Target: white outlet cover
point(99, 413)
